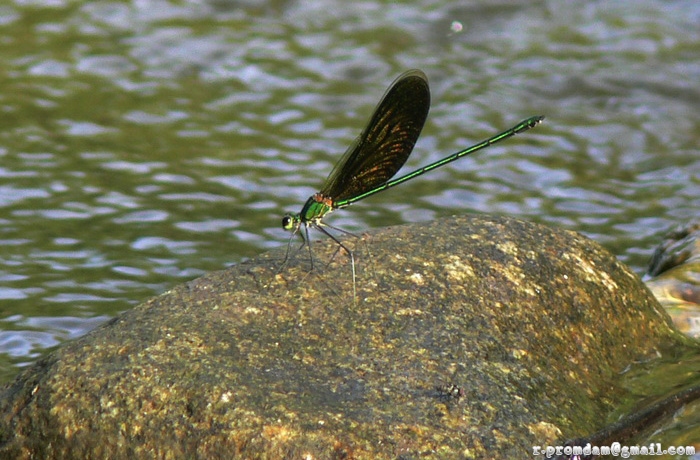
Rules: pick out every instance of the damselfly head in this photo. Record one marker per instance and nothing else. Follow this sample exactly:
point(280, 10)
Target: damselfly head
point(291, 222)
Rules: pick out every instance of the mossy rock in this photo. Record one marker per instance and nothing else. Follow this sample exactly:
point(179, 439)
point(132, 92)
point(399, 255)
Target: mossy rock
point(477, 337)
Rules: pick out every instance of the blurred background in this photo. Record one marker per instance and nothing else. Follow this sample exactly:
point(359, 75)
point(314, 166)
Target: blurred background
point(145, 143)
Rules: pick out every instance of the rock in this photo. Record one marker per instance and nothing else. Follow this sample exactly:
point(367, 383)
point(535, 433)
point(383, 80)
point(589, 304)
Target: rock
point(675, 268)
point(680, 246)
point(472, 337)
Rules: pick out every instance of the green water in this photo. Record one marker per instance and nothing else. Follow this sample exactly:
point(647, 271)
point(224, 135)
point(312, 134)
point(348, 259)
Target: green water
point(144, 144)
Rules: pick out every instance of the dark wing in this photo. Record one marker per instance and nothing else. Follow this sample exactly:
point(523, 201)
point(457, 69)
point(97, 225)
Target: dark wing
point(387, 141)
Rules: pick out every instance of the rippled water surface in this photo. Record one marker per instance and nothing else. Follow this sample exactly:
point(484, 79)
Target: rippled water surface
point(146, 143)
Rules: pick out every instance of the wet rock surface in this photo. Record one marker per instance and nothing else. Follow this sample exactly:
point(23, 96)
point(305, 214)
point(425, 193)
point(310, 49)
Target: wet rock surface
point(477, 337)
point(674, 277)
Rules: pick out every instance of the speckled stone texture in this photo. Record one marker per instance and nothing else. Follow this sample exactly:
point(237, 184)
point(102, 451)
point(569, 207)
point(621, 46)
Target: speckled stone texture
point(472, 337)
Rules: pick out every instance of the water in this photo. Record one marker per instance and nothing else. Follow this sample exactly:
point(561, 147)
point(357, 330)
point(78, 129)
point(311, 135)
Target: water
point(146, 143)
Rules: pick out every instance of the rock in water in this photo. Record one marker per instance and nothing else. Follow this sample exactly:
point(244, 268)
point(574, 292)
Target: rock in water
point(472, 337)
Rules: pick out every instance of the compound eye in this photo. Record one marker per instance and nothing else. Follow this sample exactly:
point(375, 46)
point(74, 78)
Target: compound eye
point(286, 222)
